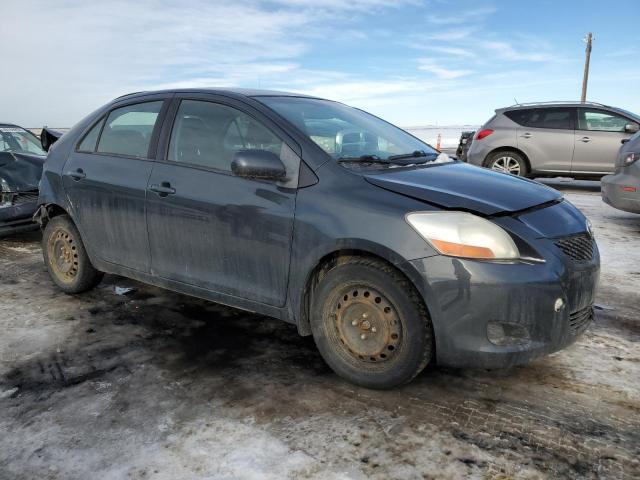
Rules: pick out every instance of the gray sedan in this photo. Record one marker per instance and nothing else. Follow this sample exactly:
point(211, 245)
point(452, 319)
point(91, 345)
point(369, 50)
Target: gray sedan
point(622, 189)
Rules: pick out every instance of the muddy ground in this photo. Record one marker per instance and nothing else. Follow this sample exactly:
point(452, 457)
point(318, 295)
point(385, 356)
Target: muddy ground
point(155, 385)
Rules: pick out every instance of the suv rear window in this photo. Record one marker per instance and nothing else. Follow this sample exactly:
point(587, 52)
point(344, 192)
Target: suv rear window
point(556, 118)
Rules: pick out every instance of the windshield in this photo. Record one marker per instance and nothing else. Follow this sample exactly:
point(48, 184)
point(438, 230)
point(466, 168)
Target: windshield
point(16, 139)
point(346, 132)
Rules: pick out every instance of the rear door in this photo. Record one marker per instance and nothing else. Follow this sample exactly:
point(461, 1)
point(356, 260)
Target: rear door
point(546, 136)
point(105, 179)
point(212, 229)
point(598, 140)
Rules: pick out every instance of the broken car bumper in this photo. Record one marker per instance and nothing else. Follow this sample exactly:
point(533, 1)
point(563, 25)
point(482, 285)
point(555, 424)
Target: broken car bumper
point(495, 315)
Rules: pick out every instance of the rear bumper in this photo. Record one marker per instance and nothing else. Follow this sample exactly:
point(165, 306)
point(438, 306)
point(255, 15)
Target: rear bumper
point(477, 152)
point(614, 195)
point(17, 218)
point(464, 296)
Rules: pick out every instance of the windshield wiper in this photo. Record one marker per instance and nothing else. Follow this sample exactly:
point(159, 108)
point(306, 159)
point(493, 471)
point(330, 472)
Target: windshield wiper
point(363, 159)
point(414, 154)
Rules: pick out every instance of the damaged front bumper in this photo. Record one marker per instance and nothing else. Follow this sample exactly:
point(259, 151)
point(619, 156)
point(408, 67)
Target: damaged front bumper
point(16, 212)
point(495, 315)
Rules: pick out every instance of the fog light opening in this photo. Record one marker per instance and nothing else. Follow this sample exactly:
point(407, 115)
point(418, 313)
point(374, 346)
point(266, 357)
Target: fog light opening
point(503, 334)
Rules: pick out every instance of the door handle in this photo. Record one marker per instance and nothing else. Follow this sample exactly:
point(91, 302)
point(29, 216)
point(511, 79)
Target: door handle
point(526, 135)
point(77, 174)
point(585, 139)
point(163, 189)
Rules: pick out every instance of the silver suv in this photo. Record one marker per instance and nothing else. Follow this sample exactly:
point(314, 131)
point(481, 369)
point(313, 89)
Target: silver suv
point(555, 138)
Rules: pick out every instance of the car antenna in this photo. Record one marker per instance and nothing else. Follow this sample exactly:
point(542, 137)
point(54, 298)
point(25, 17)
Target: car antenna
point(514, 99)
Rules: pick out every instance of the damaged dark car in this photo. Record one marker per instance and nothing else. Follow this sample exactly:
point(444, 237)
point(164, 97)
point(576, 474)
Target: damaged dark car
point(21, 161)
point(391, 254)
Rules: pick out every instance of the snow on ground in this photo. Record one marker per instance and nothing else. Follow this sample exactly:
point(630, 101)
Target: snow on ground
point(157, 385)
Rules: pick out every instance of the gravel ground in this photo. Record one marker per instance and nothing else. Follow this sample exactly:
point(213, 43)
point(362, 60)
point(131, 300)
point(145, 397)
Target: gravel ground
point(157, 385)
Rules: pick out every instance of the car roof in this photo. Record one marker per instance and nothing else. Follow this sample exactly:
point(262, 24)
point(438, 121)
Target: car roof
point(4, 124)
point(236, 92)
point(570, 103)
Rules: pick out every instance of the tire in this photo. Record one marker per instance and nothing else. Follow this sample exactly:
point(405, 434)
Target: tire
point(365, 296)
point(508, 162)
point(66, 258)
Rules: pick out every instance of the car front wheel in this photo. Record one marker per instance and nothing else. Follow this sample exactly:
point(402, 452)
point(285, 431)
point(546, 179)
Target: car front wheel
point(370, 325)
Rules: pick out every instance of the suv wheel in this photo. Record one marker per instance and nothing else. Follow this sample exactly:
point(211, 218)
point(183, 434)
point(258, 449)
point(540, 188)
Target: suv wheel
point(507, 162)
point(66, 258)
point(370, 325)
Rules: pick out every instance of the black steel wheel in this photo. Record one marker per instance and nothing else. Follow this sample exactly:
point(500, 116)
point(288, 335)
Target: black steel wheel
point(66, 258)
point(370, 324)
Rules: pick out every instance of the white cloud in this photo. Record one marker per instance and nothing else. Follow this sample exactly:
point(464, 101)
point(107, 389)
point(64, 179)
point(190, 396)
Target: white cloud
point(431, 66)
point(452, 34)
point(461, 16)
point(506, 51)
point(455, 51)
point(76, 55)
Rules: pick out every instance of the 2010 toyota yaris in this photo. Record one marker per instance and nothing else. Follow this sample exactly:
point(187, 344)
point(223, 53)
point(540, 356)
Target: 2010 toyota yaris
point(389, 253)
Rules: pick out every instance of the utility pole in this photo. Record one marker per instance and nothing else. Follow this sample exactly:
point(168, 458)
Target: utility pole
point(588, 39)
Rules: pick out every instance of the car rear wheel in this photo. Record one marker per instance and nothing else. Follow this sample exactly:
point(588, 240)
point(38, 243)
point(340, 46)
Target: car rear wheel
point(66, 258)
point(507, 162)
point(370, 325)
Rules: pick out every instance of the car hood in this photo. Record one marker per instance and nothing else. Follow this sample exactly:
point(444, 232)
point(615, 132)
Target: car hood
point(20, 171)
point(461, 186)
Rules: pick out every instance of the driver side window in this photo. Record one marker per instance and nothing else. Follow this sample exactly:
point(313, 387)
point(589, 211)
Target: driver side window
point(600, 121)
point(209, 134)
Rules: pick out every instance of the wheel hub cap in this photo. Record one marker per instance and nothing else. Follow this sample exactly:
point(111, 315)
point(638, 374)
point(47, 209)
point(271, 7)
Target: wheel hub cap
point(506, 164)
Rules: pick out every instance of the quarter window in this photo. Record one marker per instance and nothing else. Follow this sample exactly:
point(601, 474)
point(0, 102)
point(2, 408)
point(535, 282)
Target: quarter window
point(128, 129)
point(88, 143)
point(521, 117)
point(598, 120)
point(208, 134)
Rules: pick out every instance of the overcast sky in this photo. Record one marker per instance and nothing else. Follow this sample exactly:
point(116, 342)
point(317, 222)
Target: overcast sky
point(414, 62)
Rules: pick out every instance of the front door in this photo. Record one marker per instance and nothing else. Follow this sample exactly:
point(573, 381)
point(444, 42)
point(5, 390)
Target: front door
point(598, 139)
point(105, 179)
point(212, 229)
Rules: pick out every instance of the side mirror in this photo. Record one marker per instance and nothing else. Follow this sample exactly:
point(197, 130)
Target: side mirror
point(48, 137)
point(258, 164)
point(631, 128)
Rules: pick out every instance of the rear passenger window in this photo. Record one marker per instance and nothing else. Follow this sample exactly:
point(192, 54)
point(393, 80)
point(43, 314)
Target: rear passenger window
point(558, 118)
point(209, 134)
point(128, 129)
point(88, 143)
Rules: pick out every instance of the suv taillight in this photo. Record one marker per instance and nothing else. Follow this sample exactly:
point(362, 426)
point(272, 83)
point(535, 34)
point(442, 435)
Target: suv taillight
point(483, 133)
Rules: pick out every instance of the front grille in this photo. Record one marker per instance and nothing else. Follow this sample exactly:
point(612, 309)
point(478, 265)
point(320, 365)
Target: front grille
point(579, 247)
point(581, 319)
point(25, 197)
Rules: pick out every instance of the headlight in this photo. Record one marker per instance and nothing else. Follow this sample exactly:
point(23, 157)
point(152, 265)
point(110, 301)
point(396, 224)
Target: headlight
point(629, 158)
point(6, 197)
point(460, 234)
